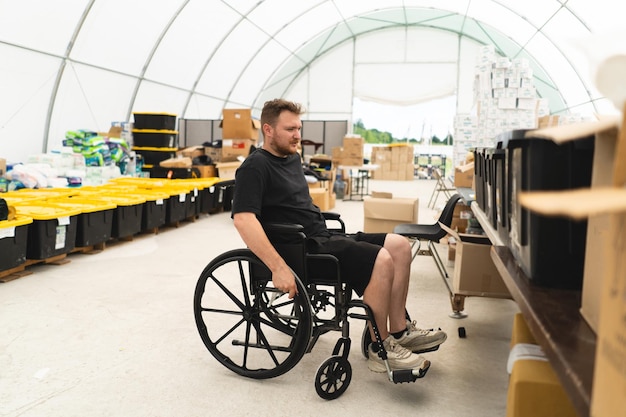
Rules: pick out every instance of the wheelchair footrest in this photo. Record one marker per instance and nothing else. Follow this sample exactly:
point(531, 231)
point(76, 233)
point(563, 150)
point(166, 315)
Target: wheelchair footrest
point(408, 375)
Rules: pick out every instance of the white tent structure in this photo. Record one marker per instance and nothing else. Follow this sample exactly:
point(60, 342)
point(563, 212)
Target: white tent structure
point(81, 64)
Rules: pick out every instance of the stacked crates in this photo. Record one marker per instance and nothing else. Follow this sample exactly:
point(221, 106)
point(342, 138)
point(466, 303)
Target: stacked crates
point(154, 137)
point(53, 230)
point(13, 241)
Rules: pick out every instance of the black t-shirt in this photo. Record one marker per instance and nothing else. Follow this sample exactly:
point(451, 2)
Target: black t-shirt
point(276, 191)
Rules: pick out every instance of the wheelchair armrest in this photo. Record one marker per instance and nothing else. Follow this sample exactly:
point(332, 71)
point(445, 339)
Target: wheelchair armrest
point(284, 232)
point(329, 215)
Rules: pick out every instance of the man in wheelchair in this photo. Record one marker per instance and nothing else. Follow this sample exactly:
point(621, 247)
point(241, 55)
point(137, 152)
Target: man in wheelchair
point(271, 187)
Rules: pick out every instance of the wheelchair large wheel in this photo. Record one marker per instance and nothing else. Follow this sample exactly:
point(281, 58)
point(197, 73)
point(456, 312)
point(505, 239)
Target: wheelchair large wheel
point(249, 326)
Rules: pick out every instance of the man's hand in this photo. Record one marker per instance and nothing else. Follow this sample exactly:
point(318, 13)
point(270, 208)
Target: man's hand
point(285, 281)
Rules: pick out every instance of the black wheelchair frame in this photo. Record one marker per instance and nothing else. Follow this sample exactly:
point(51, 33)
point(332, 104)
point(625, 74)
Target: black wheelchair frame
point(256, 331)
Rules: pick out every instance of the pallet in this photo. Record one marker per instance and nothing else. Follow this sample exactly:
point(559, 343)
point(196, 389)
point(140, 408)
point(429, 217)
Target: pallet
point(22, 271)
point(90, 250)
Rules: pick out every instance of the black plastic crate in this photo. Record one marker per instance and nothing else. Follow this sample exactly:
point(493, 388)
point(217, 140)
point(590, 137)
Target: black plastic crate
point(192, 207)
point(491, 156)
point(94, 228)
point(153, 156)
point(50, 238)
point(479, 177)
point(155, 138)
point(550, 250)
point(224, 195)
point(153, 214)
point(501, 178)
point(208, 199)
point(177, 207)
point(94, 223)
point(173, 173)
point(127, 220)
point(13, 242)
point(156, 121)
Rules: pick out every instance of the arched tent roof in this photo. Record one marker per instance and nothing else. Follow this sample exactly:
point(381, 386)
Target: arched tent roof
point(72, 64)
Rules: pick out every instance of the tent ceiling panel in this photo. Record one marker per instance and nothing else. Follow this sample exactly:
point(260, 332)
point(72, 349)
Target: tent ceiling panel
point(209, 54)
point(104, 38)
point(598, 15)
point(39, 25)
point(258, 70)
point(404, 84)
point(202, 107)
point(25, 87)
point(536, 12)
point(90, 99)
point(331, 92)
point(154, 97)
point(179, 63)
point(232, 57)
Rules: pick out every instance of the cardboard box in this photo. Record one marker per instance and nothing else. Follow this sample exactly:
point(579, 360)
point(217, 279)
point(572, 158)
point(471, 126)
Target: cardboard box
point(547, 121)
point(381, 215)
point(353, 147)
point(381, 194)
point(464, 175)
point(534, 390)
point(214, 153)
point(321, 198)
point(191, 152)
point(182, 162)
point(460, 216)
point(232, 149)
point(341, 157)
point(604, 267)
point(239, 124)
point(206, 171)
point(3, 167)
point(226, 170)
point(474, 270)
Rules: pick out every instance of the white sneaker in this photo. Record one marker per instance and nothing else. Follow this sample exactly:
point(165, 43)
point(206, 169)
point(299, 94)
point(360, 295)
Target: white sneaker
point(421, 340)
point(397, 356)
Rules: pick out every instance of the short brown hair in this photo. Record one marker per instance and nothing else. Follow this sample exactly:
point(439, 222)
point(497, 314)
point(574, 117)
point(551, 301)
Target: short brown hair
point(273, 108)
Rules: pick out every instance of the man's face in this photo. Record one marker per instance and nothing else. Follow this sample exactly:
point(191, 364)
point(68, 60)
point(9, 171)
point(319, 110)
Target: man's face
point(283, 139)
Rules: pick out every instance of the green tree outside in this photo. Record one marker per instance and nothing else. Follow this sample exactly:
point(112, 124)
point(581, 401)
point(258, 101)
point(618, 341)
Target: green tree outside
point(378, 137)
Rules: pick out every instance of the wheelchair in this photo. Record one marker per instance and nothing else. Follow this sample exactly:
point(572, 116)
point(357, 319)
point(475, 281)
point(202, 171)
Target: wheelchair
point(256, 331)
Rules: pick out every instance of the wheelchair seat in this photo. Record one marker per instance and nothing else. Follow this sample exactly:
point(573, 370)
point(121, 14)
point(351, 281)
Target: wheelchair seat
point(256, 331)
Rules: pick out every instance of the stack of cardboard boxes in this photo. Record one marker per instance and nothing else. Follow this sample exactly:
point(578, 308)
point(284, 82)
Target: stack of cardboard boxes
point(322, 192)
point(395, 162)
point(351, 153)
point(239, 132)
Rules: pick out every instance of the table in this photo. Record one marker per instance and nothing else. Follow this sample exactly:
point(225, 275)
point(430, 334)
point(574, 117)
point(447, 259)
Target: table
point(554, 319)
point(359, 180)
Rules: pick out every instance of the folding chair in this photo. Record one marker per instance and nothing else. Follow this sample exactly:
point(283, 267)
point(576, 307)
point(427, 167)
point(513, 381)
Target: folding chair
point(433, 233)
point(440, 187)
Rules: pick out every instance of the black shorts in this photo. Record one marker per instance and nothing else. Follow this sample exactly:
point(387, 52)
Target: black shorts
point(356, 254)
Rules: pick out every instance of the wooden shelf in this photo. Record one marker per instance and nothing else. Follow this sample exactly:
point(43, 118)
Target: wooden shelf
point(553, 316)
point(554, 319)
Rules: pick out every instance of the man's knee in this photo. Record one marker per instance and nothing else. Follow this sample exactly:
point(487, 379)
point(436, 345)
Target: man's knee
point(398, 245)
point(383, 265)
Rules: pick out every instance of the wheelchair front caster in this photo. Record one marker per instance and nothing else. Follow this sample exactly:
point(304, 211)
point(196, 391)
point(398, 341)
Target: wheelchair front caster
point(333, 377)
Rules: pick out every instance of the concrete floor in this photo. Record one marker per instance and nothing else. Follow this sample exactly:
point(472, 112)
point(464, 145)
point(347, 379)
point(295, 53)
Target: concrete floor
point(113, 334)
